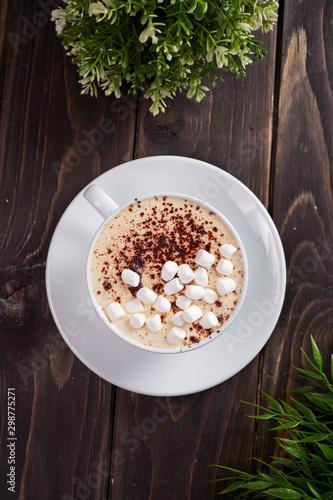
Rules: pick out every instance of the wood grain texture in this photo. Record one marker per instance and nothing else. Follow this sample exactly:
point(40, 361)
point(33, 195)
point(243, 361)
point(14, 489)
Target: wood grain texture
point(303, 203)
point(53, 142)
point(79, 437)
point(231, 128)
point(167, 445)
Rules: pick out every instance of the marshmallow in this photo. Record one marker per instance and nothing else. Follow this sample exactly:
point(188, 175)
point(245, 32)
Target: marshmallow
point(183, 302)
point(137, 320)
point(185, 273)
point(227, 250)
point(192, 313)
point(209, 320)
point(224, 267)
point(204, 259)
point(210, 296)
point(201, 276)
point(146, 295)
point(225, 286)
point(115, 311)
point(173, 286)
point(175, 335)
point(162, 304)
point(154, 323)
point(194, 292)
point(169, 270)
point(134, 306)
point(177, 319)
point(130, 277)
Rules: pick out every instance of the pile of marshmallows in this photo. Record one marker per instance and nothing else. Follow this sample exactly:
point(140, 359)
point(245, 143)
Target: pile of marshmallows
point(189, 313)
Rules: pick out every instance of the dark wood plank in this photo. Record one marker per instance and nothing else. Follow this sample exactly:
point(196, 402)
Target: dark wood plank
point(232, 129)
point(79, 437)
point(303, 203)
point(53, 142)
point(166, 446)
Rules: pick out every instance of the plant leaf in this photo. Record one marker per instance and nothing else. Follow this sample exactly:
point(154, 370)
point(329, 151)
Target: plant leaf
point(274, 403)
point(232, 487)
point(293, 448)
point(325, 397)
point(257, 485)
point(326, 496)
point(286, 462)
point(313, 490)
point(316, 354)
point(307, 473)
point(287, 425)
point(284, 493)
point(315, 375)
point(317, 402)
point(291, 411)
point(302, 389)
point(313, 438)
point(327, 451)
point(245, 475)
point(264, 416)
point(308, 414)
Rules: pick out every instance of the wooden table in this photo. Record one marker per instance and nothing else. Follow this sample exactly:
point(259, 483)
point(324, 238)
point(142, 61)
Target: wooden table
point(78, 436)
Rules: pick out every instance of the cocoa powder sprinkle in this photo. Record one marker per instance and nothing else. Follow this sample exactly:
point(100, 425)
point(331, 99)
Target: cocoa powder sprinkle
point(148, 239)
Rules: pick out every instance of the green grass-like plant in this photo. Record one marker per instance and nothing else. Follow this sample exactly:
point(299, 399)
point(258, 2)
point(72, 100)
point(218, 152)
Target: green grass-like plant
point(304, 469)
point(161, 46)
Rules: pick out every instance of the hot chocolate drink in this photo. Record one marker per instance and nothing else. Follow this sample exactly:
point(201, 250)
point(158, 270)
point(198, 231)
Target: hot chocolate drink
point(166, 272)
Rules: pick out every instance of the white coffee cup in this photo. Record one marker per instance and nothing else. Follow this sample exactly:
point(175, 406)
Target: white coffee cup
point(108, 209)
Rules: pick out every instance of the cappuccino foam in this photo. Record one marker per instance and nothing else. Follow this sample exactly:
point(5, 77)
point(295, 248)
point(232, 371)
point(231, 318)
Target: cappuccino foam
point(143, 237)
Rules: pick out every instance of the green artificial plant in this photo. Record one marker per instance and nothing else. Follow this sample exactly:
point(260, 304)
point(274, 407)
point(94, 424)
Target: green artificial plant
point(302, 467)
point(161, 47)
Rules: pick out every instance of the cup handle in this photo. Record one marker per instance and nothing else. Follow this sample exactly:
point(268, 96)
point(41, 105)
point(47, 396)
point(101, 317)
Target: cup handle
point(100, 200)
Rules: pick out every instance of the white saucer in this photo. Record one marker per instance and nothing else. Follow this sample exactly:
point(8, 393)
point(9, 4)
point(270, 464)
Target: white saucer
point(166, 374)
